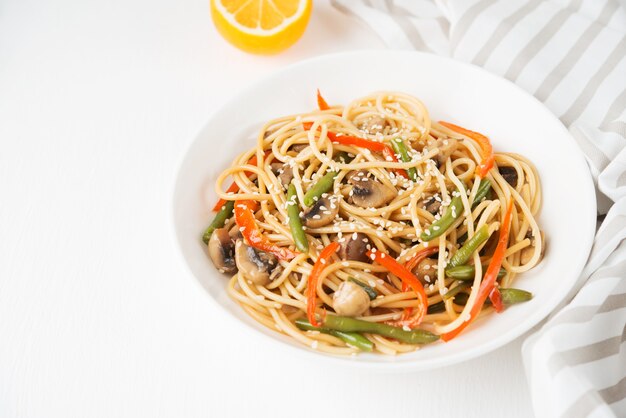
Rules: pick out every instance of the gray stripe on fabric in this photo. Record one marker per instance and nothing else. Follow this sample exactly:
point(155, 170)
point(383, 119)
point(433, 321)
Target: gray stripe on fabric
point(573, 56)
point(504, 27)
point(617, 127)
point(399, 15)
point(591, 399)
point(608, 231)
point(614, 393)
point(583, 99)
point(582, 314)
point(597, 157)
point(466, 20)
point(586, 353)
point(616, 108)
point(540, 40)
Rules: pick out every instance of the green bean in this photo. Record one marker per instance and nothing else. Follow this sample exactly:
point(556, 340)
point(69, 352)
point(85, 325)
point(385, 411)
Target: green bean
point(439, 227)
point(436, 307)
point(461, 298)
point(295, 224)
point(467, 272)
point(460, 286)
point(464, 253)
point(219, 220)
point(400, 148)
point(368, 289)
point(511, 296)
point(346, 324)
point(351, 338)
point(322, 186)
point(483, 190)
point(342, 157)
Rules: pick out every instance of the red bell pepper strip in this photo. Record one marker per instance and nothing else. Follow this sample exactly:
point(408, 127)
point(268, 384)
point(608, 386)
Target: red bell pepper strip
point(486, 152)
point(311, 291)
point(410, 265)
point(363, 143)
point(321, 103)
point(496, 299)
point(406, 276)
point(244, 218)
point(488, 284)
point(234, 188)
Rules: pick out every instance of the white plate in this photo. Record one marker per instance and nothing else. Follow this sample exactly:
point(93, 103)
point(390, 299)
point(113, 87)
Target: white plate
point(452, 91)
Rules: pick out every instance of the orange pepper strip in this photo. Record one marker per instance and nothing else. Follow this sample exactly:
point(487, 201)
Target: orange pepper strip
point(406, 276)
point(410, 265)
point(311, 291)
point(321, 103)
point(487, 161)
point(244, 217)
point(496, 299)
point(488, 284)
point(234, 188)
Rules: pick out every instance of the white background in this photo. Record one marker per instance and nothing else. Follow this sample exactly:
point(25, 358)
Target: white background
point(98, 318)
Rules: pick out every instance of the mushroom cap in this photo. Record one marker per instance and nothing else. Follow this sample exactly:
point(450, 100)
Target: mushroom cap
point(368, 192)
point(321, 213)
point(509, 174)
point(446, 147)
point(221, 249)
point(426, 270)
point(354, 247)
point(283, 171)
point(253, 264)
point(350, 299)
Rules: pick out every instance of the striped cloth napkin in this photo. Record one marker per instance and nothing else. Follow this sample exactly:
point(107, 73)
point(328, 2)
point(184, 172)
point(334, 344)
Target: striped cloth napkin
point(570, 54)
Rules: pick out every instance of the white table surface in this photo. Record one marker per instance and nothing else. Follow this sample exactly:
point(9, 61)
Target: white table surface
point(98, 317)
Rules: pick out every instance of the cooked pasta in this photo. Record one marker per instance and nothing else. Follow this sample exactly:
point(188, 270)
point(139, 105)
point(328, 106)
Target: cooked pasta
point(371, 227)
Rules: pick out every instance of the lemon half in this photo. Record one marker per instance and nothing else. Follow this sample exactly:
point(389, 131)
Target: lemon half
point(261, 26)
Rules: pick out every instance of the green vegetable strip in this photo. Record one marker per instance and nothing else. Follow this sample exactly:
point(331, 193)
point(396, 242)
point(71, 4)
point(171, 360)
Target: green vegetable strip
point(467, 272)
point(400, 148)
point(219, 220)
point(295, 224)
point(351, 338)
point(369, 290)
point(460, 286)
point(511, 296)
point(345, 324)
point(483, 190)
point(322, 186)
point(439, 227)
point(342, 157)
point(463, 254)
point(436, 307)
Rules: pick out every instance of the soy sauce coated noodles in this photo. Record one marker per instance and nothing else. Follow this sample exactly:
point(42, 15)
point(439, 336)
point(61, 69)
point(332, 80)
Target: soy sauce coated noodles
point(371, 227)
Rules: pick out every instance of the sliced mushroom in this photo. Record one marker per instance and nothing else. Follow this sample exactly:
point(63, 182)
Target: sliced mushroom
point(431, 204)
point(354, 247)
point(373, 125)
point(221, 249)
point(255, 265)
point(298, 147)
point(321, 213)
point(350, 299)
point(368, 192)
point(426, 270)
point(446, 147)
point(509, 174)
point(527, 253)
point(283, 171)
